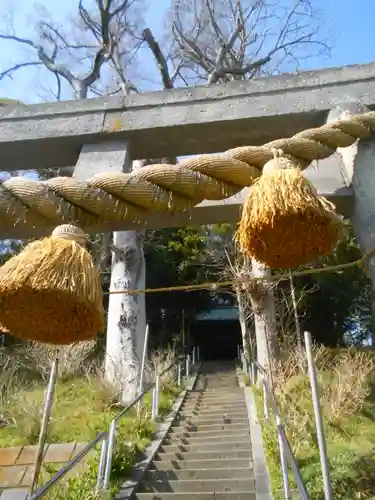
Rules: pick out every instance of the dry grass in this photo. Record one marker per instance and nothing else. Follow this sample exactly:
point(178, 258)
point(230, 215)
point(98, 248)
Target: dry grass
point(12, 379)
point(347, 387)
point(84, 399)
point(51, 293)
point(24, 367)
point(343, 382)
point(285, 223)
point(346, 382)
point(159, 360)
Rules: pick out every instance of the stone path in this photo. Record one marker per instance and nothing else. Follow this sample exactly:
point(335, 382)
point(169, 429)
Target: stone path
point(208, 452)
point(17, 465)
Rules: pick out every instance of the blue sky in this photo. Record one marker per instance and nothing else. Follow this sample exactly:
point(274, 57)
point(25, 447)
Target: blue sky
point(351, 31)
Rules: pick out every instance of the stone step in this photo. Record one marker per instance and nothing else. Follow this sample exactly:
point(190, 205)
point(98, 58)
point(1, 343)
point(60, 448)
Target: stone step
point(208, 431)
point(224, 378)
point(217, 418)
point(245, 495)
point(221, 396)
point(220, 391)
point(215, 413)
point(220, 438)
point(214, 403)
point(224, 384)
point(226, 446)
point(214, 408)
point(198, 485)
point(210, 399)
point(214, 396)
point(205, 455)
point(208, 422)
point(188, 474)
point(221, 387)
point(202, 464)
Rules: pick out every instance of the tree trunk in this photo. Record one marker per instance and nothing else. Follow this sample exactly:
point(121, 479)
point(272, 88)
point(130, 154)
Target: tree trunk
point(246, 345)
point(126, 324)
point(126, 315)
point(263, 305)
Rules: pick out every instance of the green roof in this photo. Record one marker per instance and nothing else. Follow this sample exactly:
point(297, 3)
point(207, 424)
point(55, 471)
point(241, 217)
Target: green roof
point(218, 314)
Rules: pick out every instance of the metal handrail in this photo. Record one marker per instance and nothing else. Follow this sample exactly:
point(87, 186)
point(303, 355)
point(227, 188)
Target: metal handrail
point(105, 461)
point(286, 453)
point(68, 466)
point(104, 479)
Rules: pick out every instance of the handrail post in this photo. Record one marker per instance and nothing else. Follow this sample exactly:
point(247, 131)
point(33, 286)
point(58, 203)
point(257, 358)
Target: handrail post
point(187, 372)
point(193, 356)
point(179, 374)
point(265, 403)
point(198, 353)
point(111, 445)
point(153, 406)
point(44, 425)
point(252, 372)
point(157, 389)
point(144, 354)
point(284, 464)
point(102, 464)
point(318, 418)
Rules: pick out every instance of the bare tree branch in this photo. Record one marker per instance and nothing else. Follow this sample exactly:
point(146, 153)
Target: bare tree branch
point(43, 57)
point(9, 72)
point(159, 58)
point(226, 47)
point(48, 27)
point(236, 39)
point(107, 26)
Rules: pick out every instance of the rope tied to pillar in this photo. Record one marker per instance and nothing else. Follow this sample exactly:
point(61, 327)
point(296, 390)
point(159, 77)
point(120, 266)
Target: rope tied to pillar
point(51, 292)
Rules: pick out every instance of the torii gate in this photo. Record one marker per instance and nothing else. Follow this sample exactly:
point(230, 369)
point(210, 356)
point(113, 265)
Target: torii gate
point(105, 134)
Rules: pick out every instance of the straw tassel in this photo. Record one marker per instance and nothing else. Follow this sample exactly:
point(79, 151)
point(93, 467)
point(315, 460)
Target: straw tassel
point(51, 292)
point(285, 223)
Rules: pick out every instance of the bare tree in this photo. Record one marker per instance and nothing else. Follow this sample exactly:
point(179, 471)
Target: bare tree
point(92, 55)
point(88, 54)
point(209, 41)
point(216, 41)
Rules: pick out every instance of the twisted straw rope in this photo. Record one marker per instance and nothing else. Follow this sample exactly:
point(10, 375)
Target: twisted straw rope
point(213, 285)
point(166, 188)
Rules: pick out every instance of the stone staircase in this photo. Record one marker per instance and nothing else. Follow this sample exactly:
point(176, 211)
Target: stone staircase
point(207, 453)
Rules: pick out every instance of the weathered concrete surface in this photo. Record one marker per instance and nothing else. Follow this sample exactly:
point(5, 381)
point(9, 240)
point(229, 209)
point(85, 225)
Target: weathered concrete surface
point(359, 162)
point(182, 121)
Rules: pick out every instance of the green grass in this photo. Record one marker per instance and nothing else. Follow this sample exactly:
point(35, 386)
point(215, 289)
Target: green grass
point(82, 408)
point(350, 439)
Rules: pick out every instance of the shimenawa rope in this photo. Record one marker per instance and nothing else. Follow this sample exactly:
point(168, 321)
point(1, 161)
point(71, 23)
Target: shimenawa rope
point(274, 277)
point(160, 188)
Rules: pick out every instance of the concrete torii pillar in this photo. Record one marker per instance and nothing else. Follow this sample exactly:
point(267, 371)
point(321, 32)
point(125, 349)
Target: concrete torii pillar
point(359, 171)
